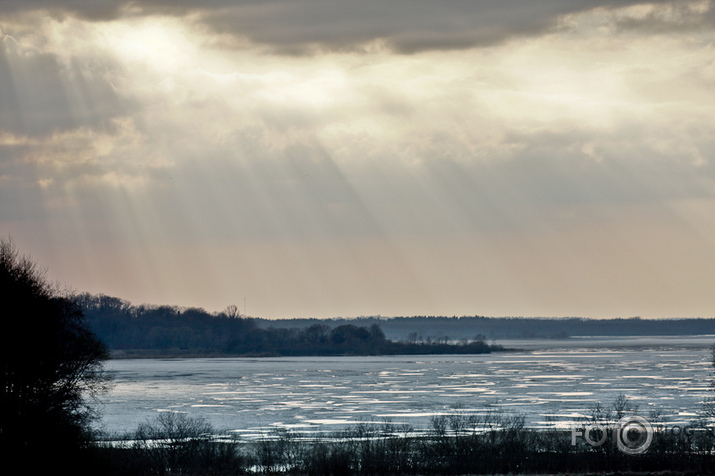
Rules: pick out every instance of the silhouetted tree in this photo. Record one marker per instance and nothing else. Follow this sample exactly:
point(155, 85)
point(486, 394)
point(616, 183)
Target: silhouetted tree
point(348, 334)
point(232, 312)
point(376, 333)
point(50, 363)
point(316, 334)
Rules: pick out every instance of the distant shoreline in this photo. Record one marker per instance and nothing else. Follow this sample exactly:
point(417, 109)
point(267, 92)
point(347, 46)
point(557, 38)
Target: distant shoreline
point(170, 331)
point(189, 354)
point(704, 342)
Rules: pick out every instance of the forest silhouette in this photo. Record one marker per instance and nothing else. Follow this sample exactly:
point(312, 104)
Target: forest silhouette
point(131, 330)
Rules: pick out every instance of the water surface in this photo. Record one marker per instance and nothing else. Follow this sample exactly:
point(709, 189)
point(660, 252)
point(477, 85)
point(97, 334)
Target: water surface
point(551, 383)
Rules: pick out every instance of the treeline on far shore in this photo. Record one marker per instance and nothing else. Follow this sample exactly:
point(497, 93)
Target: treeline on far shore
point(145, 331)
point(151, 330)
point(422, 328)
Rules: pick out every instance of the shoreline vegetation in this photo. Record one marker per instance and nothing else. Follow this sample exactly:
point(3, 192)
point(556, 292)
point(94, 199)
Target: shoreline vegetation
point(459, 443)
point(143, 331)
point(166, 331)
point(368, 347)
point(188, 354)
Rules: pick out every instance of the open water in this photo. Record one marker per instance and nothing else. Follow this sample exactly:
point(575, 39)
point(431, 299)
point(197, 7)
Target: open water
point(550, 383)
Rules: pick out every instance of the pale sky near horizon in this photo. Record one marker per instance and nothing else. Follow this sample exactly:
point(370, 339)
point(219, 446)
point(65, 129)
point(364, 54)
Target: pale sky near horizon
point(325, 158)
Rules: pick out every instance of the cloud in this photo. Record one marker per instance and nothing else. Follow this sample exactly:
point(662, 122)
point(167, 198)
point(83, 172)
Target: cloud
point(345, 144)
point(405, 26)
point(41, 93)
point(669, 18)
point(305, 26)
point(152, 134)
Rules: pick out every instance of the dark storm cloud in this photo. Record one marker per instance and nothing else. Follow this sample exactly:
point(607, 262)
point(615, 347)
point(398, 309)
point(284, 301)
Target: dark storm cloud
point(301, 25)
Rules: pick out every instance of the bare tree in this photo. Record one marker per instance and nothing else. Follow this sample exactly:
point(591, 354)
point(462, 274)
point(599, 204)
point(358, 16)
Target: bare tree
point(232, 311)
point(50, 362)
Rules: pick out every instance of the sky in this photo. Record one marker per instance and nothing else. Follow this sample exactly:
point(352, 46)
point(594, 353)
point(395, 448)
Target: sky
point(333, 158)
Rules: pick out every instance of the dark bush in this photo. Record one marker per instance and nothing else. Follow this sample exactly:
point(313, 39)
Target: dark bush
point(50, 368)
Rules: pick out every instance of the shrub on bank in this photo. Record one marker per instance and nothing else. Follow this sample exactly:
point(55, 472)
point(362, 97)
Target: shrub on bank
point(457, 443)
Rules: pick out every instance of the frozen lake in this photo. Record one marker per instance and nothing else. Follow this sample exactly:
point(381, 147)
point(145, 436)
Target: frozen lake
point(550, 382)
